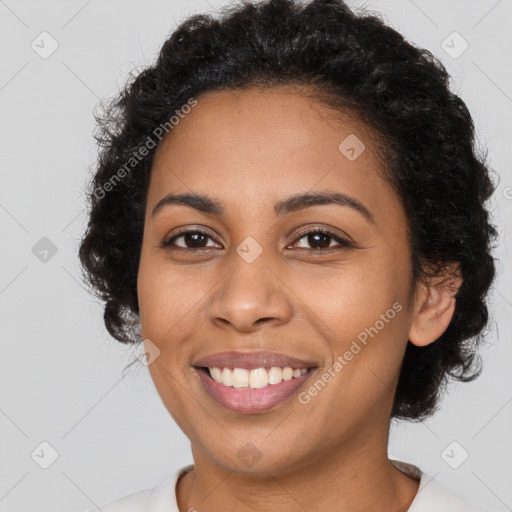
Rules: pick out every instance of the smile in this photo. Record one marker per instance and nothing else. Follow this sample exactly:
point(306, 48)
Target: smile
point(252, 391)
point(256, 378)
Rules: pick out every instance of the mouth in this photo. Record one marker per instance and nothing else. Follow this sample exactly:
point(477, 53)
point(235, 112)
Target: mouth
point(252, 390)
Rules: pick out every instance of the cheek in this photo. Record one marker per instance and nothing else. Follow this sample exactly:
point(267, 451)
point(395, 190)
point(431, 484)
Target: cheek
point(353, 296)
point(360, 310)
point(167, 298)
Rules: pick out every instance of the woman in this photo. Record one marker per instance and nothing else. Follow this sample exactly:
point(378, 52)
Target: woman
point(289, 214)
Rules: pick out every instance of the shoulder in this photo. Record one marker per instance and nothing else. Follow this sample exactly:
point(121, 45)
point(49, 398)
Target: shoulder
point(161, 498)
point(432, 495)
point(136, 502)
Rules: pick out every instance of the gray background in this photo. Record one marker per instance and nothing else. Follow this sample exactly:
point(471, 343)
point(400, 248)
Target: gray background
point(61, 376)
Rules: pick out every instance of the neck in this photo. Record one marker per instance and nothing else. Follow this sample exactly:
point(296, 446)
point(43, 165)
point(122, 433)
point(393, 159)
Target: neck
point(360, 478)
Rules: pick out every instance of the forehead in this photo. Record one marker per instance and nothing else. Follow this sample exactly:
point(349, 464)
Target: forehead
point(253, 145)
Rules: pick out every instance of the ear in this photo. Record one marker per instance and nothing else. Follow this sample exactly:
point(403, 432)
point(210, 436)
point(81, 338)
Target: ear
point(434, 304)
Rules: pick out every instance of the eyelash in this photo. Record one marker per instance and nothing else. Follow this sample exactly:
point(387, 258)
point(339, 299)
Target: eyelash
point(344, 244)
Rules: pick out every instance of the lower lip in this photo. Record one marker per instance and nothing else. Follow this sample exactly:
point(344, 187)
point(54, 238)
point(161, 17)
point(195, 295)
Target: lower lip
point(248, 400)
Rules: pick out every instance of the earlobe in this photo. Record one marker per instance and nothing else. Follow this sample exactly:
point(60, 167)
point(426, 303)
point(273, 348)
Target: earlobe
point(434, 306)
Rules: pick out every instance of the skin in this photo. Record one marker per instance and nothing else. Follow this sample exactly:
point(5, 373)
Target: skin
point(250, 149)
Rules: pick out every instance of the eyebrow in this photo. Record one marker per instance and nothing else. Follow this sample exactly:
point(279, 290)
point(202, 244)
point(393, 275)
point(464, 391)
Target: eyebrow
point(213, 206)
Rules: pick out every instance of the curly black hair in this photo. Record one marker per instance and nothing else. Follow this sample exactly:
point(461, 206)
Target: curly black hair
point(352, 63)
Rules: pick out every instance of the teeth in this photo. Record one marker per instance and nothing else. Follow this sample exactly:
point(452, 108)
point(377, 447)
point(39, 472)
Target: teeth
point(240, 378)
point(227, 377)
point(275, 375)
point(287, 373)
point(256, 378)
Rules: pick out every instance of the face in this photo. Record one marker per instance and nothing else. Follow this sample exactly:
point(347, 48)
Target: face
point(325, 282)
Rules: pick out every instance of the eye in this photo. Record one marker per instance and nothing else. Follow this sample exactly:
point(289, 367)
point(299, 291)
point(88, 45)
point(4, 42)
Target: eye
point(196, 238)
point(322, 239)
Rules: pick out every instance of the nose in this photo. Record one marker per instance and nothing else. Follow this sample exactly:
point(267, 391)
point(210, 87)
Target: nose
point(249, 296)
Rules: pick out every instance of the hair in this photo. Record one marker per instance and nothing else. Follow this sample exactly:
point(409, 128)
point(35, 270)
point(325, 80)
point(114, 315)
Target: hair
point(354, 63)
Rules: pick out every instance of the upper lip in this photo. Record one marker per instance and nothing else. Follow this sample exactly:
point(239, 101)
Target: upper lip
point(252, 360)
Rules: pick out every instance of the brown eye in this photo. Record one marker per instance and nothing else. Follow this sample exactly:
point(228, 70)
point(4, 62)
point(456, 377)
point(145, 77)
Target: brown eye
point(320, 239)
point(192, 239)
